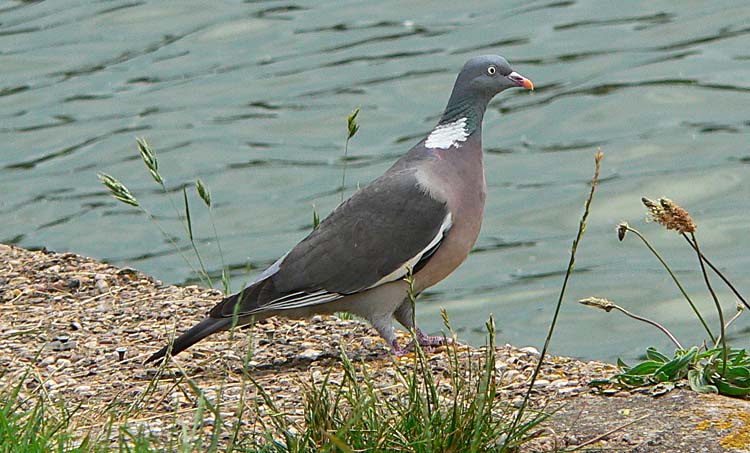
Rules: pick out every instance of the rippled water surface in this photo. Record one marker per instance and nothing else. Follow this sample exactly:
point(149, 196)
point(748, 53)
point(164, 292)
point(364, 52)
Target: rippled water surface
point(252, 98)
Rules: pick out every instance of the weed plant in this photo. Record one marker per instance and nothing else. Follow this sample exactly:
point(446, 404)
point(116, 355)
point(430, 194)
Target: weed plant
point(710, 367)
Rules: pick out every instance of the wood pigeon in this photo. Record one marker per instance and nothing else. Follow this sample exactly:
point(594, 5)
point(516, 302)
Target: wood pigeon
point(422, 216)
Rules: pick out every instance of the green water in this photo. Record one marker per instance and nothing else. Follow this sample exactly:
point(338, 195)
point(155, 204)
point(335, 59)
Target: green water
point(253, 97)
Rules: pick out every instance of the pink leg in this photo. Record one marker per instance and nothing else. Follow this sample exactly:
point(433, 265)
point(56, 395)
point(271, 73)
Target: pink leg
point(436, 340)
point(398, 350)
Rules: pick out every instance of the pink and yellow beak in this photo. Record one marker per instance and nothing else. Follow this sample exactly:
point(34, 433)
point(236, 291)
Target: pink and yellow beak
point(521, 81)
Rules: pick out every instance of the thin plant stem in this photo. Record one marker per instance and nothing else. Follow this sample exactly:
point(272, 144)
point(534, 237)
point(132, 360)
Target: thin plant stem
point(569, 271)
point(651, 322)
point(716, 302)
point(189, 230)
point(729, 323)
point(224, 278)
point(676, 281)
point(343, 170)
point(352, 128)
point(721, 275)
point(168, 237)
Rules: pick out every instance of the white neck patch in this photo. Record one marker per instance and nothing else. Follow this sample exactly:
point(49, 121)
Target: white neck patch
point(447, 135)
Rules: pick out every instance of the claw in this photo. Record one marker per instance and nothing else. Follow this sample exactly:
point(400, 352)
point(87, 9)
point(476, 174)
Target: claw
point(398, 350)
point(436, 340)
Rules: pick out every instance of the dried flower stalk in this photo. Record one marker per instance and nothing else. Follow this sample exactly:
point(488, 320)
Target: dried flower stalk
point(667, 213)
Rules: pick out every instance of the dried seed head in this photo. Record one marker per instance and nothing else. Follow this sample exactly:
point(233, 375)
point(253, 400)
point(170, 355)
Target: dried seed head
point(622, 228)
point(598, 302)
point(667, 213)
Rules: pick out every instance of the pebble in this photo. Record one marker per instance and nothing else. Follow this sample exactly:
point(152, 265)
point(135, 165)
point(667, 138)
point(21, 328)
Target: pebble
point(85, 389)
point(49, 360)
point(531, 350)
point(63, 363)
point(310, 354)
point(62, 344)
point(511, 374)
point(569, 390)
point(101, 283)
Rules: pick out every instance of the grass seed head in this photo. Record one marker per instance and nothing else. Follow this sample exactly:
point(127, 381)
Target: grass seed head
point(149, 158)
point(351, 122)
point(117, 189)
point(203, 192)
point(622, 228)
point(598, 302)
point(667, 213)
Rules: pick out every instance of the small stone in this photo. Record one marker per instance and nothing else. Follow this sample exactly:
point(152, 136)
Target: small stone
point(49, 360)
point(310, 354)
point(531, 350)
point(101, 283)
point(279, 361)
point(541, 383)
point(510, 374)
point(104, 306)
point(62, 343)
point(569, 390)
point(63, 363)
point(83, 389)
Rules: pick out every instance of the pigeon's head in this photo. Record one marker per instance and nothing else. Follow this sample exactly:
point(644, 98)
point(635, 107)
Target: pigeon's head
point(487, 75)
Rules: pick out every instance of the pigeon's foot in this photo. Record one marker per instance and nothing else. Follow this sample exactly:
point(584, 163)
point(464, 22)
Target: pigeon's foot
point(399, 350)
point(429, 341)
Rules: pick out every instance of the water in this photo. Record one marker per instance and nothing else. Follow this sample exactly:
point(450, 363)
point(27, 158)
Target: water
point(252, 98)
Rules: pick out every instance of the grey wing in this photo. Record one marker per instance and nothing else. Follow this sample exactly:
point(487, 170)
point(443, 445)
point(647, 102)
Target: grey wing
point(377, 231)
point(370, 239)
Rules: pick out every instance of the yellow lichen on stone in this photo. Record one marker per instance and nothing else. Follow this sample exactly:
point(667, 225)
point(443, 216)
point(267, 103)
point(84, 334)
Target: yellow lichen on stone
point(740, 436)
point(705, 424)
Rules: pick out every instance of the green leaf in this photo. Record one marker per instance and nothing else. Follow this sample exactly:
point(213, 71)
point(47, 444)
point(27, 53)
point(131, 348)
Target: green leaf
point(187, 214)
point(678, 367)
point(644, 368)
point(225, 280)
point(655, 355)
point(729, 388)
point(698, 383)
point(316, 218)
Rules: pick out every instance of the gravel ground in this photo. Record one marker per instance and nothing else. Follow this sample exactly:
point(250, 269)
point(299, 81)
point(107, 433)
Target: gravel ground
point(82, 328)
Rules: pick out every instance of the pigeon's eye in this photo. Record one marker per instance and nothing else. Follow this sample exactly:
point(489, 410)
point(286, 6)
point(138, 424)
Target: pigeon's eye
point(491, 70)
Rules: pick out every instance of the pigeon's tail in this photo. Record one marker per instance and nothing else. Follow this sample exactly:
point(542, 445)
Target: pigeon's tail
point(196, 333)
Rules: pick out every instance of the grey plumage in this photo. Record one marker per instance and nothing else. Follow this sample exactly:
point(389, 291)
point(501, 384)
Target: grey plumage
point(423, 214)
